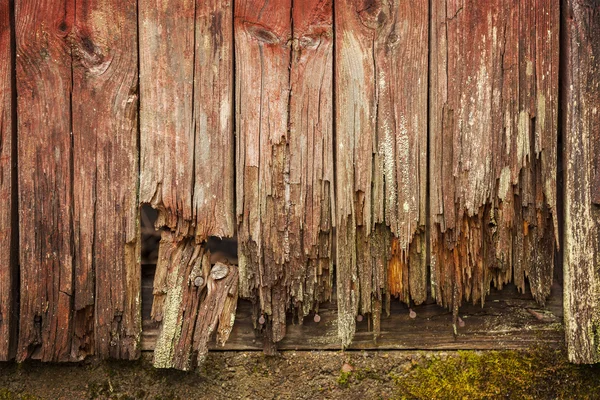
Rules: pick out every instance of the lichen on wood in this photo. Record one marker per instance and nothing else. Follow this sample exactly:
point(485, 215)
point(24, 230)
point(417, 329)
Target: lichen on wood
point(580, 105)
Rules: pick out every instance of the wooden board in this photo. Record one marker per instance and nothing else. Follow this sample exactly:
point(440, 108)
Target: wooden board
point(509, 320)
point(381, 155)
point(44, 85)
point(187, 147)
point(106, 237)
point(493, 124)
point(77, 84)
point(8, 228)
point(263, 32)
point(580, 105)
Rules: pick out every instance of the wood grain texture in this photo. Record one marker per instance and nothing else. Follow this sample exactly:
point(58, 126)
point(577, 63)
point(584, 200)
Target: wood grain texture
point(284, 125)
point(8, 244)
point(106, 238)
point(44, 84)
point(187, 147)
point(263, 32)
point(493, 119)
point(187, 155)
point(581, 140)
point(80, 274)
point(381, 155)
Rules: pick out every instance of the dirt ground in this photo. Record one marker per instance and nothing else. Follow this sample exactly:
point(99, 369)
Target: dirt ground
point(311, 375)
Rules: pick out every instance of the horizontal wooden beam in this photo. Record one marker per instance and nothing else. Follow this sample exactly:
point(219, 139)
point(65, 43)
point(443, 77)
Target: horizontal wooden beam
point(509, 320)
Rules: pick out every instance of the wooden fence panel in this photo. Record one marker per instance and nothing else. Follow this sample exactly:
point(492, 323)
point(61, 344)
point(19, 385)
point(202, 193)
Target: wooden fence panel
point(381, 156)
point(581, 139)
point(187, 171)
point(8, 245)
point(106, 238)
point(493, 119)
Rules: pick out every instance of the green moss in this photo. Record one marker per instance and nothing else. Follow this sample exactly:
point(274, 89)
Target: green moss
point(344, 379)
point(6, 394)
point(500, 374)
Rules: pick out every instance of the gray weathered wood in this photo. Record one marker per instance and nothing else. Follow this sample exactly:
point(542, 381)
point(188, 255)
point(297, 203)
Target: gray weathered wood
point(581, 140)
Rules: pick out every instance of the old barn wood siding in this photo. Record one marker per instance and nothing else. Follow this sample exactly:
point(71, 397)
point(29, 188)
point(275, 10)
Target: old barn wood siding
point(106, 235)
point(381, 155)
point(284, 126)
point(8, 274)
point(80, 279)
point(187, 150)
point(581, 140)
point(44, 84)
point(493, 121)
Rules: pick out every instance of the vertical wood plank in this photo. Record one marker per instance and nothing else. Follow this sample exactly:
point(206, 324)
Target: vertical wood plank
point(8, 274)
point(493, 118)
point(187, 150)
point(80, 277)
point(105, 179)
point(311, 180)
point(45, 178)
point(381, 155)
point(263, 31)
point(581, 140)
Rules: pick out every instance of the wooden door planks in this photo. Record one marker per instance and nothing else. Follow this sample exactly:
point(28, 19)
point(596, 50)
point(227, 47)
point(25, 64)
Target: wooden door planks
point(187, 172)
point(580, 106)
point(78, 180)
point(381, 155)
point(493, 119)
point(8, 245)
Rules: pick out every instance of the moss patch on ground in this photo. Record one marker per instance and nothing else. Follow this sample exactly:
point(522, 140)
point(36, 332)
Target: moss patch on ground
point(538, 374)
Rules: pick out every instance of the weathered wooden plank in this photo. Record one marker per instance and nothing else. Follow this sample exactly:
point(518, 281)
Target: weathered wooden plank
point(8, 228)
point(493, 119)
point(106, 238)
point(167, 127)
point(580, 106)
point(186, 78)
point(80, 274)
point(263, 31)
point(381, 155)
point(187, 148)
point(509, 320)
point(311, 180)
point(44, 84)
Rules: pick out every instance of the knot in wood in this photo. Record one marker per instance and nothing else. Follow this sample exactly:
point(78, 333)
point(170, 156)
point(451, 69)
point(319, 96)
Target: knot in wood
point(219, 271)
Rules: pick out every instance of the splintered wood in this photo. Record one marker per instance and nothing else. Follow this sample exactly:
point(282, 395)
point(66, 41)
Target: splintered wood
point(186, 85)
point(284, 156)
point(79, 241)
point(8, 245)
point(493, 124)
point(581, 140)
point(381, 155)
